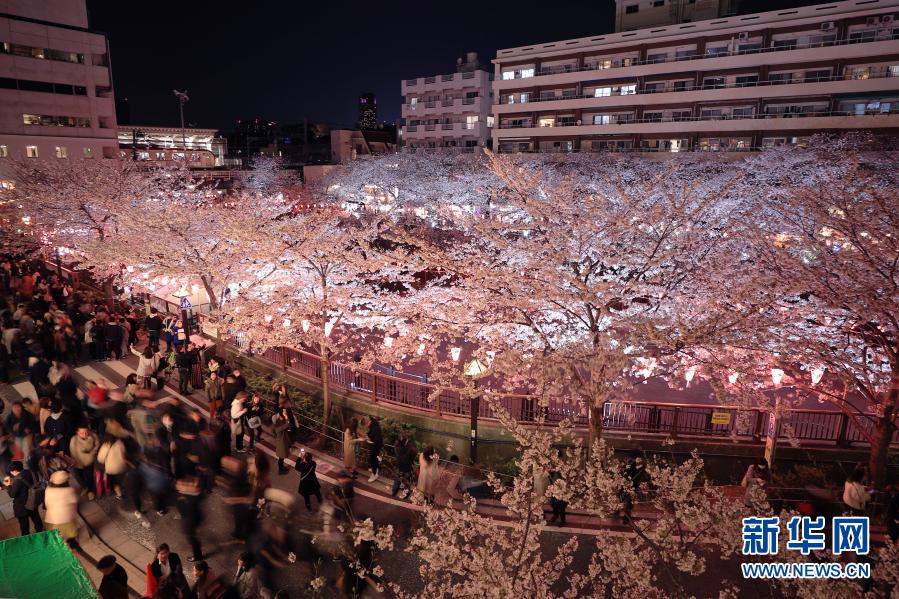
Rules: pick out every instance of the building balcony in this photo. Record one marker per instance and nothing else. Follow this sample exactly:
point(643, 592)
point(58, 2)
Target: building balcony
point(448, 130)
point(881, 80)
point(842, 50)
point(452, 107)
point(806, 121)
point(479, 80)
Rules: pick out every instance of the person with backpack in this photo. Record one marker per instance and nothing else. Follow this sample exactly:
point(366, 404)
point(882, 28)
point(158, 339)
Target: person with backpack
point(26, 492)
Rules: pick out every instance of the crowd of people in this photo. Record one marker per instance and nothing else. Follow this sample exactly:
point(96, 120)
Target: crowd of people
point(67, 444)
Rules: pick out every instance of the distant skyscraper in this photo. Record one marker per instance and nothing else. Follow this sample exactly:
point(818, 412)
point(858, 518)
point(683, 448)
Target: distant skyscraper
point(368, 112)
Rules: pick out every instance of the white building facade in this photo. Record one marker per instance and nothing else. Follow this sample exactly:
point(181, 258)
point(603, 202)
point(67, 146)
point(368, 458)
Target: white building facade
point(728, 84)
point(56, 95)
point(448, 111)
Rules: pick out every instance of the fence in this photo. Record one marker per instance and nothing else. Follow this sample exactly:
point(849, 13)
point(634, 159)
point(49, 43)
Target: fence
point(747, 425)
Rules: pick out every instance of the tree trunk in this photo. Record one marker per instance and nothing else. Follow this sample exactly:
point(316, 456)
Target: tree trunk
point(213, 300)
point(880, 443)
point(326, 387)
point(595, 425)
point(110, 299)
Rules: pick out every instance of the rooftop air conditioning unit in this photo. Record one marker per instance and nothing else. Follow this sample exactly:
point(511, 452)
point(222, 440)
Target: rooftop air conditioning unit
point(887, 19)
point(828, 26)
point(743, 35)
point(872, 21)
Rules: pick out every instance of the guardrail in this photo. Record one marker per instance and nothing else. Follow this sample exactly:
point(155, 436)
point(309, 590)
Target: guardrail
point(618, 63)
point(679, 119)
point(747, 425)
point(677, 87)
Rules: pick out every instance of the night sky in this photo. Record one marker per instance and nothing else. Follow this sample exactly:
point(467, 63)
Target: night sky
point(284, 60)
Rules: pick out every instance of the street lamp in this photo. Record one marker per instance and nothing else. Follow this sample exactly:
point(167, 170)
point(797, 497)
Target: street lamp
point(182, 99)
point(474, 369)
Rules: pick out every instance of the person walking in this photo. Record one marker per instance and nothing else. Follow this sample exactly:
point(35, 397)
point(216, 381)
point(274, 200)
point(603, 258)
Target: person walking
point(253, 418)
point(184, 360)
point(281, 428)
point(428, 472)
point(24, 489)
point(153, 324)
point(405, 452)
point(213, 387)
point(83, 449)
point(165, 573)
point(246, 580)
point(61, 502)
point(309, 485)
point(855, 495)
point(113, 455)
point(114, 584)
point(238, 413)
point(376, 442)
point(147, 365)
point(349, 446)
point(558, 506)
point(189, 502)
point(112, 332)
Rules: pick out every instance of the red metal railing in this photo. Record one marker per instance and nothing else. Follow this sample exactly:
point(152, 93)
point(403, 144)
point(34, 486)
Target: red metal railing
point(668, 419)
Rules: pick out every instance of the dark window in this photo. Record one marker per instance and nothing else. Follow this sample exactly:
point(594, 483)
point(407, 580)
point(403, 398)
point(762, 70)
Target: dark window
point(658, 3)
point(35, 86)
point(63, 88)
point(6, 83)
point(99, 60)
point(632, 9)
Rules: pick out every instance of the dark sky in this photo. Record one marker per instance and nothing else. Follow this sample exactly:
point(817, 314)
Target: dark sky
point(284, 60)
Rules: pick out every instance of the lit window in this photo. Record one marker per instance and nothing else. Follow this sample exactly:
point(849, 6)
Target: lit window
point(628, 90)
point(508, 75)
point(546, 122)
point(527, 73)
point(62, 152)
point(88, 152)
point(143, 155)
point(31, 151)
point(177, 155)
point(602, 119)
point(160, 155)
point(602, 92)
point(4, 151)
point(413, 103)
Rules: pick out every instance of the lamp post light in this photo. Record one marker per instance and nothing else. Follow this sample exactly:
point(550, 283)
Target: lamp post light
point(474, 369)
point(182, 99)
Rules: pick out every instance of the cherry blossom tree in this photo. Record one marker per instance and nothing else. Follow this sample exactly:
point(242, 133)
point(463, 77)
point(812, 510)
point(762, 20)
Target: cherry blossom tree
point(817, 294)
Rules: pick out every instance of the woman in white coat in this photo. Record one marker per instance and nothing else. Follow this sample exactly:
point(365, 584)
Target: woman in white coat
point(61, 502)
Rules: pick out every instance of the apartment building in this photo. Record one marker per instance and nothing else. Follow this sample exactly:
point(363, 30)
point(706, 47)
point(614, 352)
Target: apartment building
point(448, 111)
point(727, 84)
point(56, 96)
point(640, 14)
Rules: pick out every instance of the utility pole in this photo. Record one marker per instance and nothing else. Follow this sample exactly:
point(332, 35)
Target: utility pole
point(182, 99)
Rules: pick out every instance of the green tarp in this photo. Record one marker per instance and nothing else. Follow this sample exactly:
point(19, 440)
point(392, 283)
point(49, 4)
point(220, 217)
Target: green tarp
point(41, 566)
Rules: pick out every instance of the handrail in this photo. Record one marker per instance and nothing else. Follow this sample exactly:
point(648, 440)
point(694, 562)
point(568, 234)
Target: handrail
point(682, 119)
point(561, 69)
point(882, 74)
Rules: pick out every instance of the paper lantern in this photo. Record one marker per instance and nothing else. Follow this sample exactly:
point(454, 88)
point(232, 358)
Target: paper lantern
point(286, 323)
point(732, 377)
point(777, 375)
point(691, 372)
point(329, 326)
point(455, 352)
point(305, 324)
point(817, 375)
point(388, 341)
